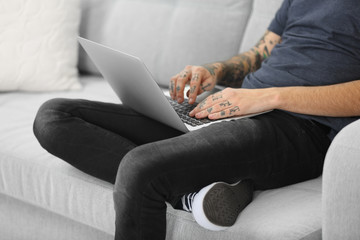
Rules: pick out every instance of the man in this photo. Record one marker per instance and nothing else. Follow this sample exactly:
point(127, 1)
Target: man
point(306, 68)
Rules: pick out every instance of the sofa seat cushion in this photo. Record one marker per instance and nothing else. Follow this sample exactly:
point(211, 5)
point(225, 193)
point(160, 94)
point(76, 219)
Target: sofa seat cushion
point(289, 213)
point(30, 174)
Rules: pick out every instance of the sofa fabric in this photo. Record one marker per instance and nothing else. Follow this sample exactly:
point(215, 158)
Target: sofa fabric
point(24, 221)
point(30, 174)
point(341, 192)
point(263, 11)
point(166, 35)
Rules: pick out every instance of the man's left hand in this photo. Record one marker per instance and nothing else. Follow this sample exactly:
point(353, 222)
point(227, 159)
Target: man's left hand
point(232, 102)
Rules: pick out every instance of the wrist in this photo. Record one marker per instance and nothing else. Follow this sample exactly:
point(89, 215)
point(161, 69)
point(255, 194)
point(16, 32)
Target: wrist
point(215, 69)
point(275, 98)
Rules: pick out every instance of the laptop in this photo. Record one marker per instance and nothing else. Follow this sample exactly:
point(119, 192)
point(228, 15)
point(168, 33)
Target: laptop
point(135, 87)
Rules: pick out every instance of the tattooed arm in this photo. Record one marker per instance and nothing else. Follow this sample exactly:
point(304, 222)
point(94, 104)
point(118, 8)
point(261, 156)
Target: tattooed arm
point(229, 73)
point(234, 70)
point(338, 100)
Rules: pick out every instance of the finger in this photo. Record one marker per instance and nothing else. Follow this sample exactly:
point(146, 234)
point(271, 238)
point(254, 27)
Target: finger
point(200, 107)
point(206, 85)
point(207, 103)
point(181, 81)
point(214, 109)
point(172, 85)
point(194, 86)
point(222, 106)
point(230, 112)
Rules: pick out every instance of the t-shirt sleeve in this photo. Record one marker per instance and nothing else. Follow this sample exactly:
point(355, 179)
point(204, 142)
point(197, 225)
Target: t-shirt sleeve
point(278, 24)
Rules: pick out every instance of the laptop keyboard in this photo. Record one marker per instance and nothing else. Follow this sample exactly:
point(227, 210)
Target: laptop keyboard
point(183, 111)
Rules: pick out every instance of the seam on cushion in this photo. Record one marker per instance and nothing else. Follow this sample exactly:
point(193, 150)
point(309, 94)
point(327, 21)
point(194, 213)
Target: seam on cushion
point(311, 235)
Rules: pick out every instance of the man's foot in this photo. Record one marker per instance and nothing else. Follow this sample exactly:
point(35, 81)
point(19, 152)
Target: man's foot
point(217, 206)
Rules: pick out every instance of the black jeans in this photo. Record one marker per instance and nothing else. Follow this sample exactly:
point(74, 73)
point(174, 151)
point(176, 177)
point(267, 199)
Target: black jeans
point(151, 163)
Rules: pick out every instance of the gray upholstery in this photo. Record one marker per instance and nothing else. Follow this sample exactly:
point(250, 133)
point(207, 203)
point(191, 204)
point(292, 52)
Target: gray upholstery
point(262, 13)
point(341, 190)
point(167, 35)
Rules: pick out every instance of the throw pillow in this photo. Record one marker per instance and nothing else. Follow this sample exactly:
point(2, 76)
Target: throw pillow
point(38, 45)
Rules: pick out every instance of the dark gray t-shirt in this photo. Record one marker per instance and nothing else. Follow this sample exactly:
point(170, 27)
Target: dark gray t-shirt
point(320, 46)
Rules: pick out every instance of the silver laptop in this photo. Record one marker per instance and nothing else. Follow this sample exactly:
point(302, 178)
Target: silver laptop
point(136, 88)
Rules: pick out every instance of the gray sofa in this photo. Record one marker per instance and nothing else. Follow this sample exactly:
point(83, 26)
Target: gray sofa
point(44, 198)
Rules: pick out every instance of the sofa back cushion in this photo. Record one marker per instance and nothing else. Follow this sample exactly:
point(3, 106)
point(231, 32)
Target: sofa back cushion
point(262, 14)
point(166, 34)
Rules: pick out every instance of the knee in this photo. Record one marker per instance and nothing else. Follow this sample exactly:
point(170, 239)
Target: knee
point(142, 170)
point(47, 119)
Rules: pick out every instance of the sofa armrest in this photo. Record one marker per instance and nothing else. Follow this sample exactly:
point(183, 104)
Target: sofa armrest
point(341, 186)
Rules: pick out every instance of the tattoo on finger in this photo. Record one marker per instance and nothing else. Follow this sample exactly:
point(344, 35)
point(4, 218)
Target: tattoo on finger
point(216, 97)
point(184, 74)
point(192, 89)
point(234, 110)
point(205, 87)
point(172, 86)
point(209, 110)
point(225, 104)
point(202, 104)
point(195, 77)
point(178, 88)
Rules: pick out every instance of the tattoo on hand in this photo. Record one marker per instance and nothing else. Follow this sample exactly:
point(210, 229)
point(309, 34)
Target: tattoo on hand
point(192, 89)
point(225, 104)
point(178, 88)
point(195, 77)
point(205, 87)
point(211, 68)
point(222, 113)
point(234, 110)
point(183, 74)
point(216, 97)
point(172, 86)
point(202, 104)
point(209, 110)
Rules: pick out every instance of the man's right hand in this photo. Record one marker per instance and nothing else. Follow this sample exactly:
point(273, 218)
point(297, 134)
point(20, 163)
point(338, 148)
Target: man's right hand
point(201, 78)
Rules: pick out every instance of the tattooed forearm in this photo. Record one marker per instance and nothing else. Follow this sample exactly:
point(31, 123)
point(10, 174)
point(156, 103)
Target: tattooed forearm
point(236, 68)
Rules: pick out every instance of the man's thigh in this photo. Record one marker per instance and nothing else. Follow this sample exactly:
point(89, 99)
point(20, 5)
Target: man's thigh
point(274, 150)
point(115, 118)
